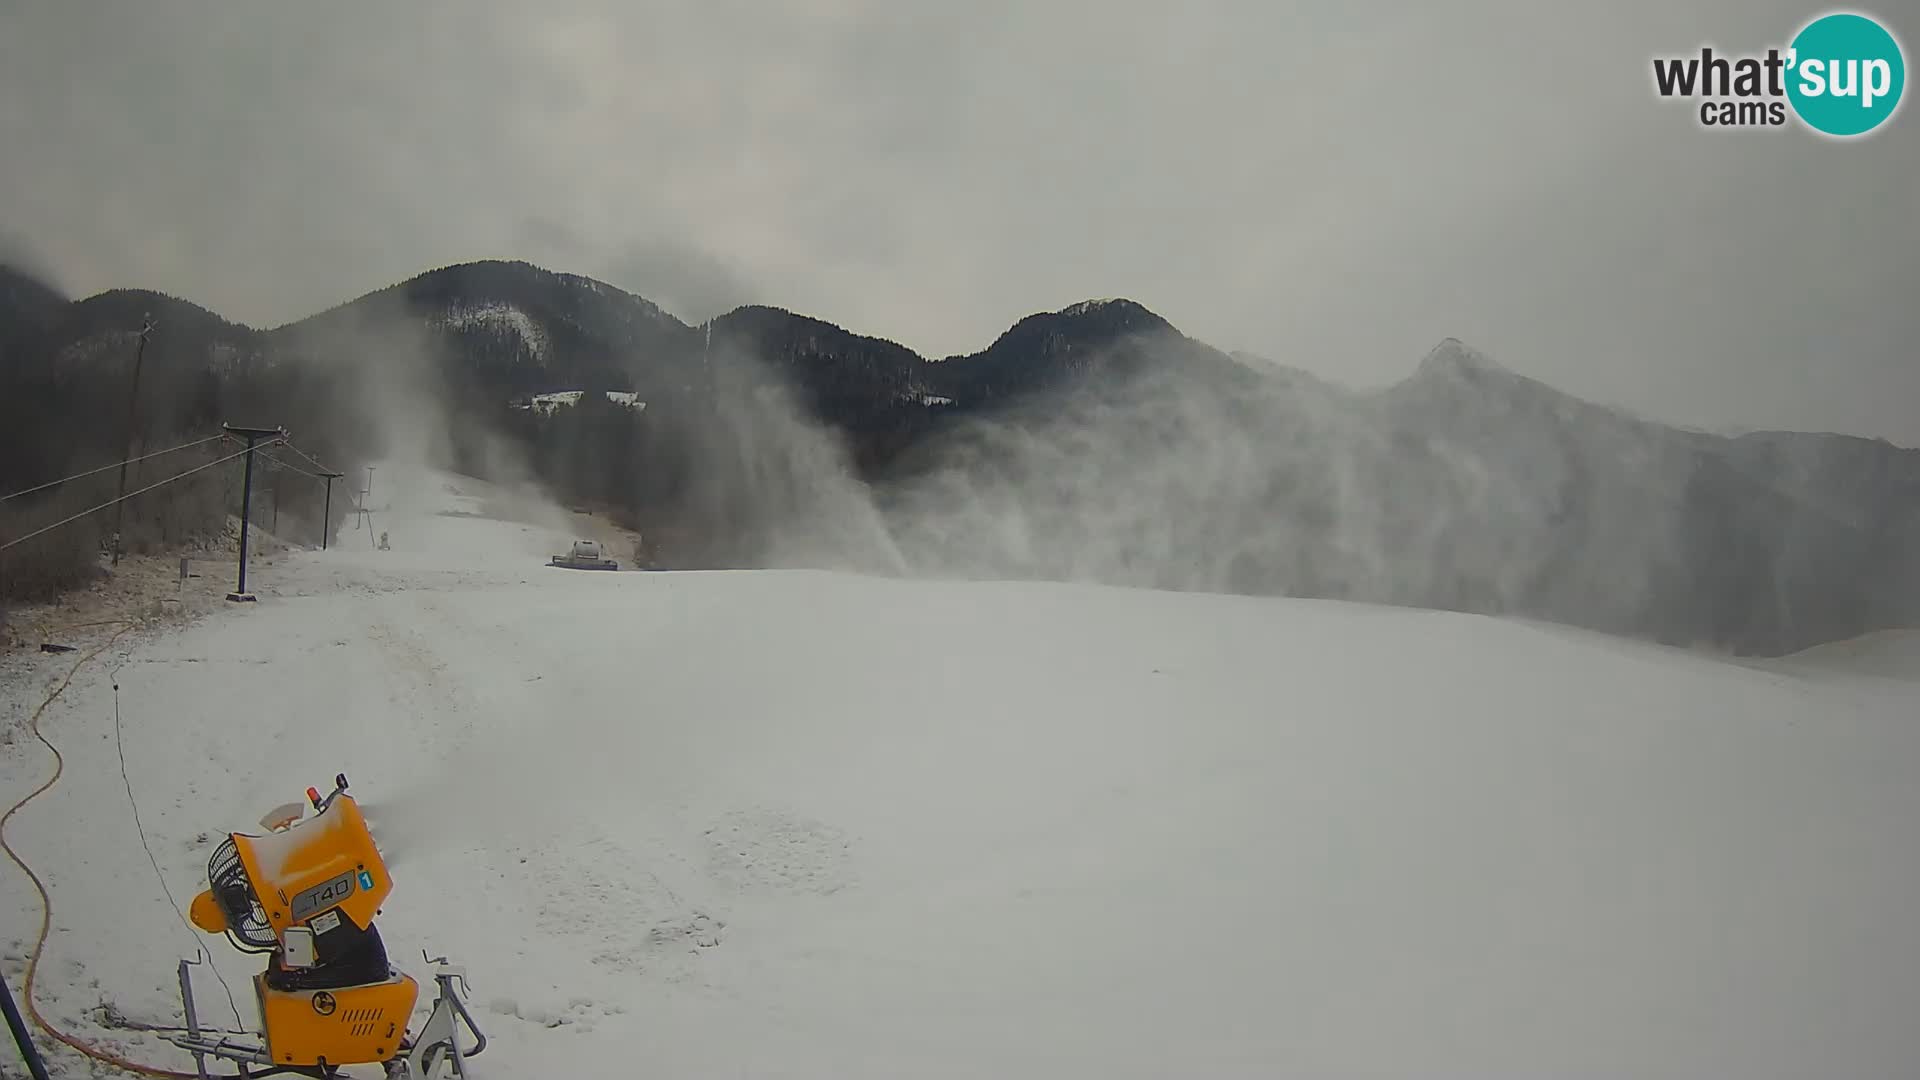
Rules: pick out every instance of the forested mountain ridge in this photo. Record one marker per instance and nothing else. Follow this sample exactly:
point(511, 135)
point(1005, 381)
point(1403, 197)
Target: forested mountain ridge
point(1094, 442)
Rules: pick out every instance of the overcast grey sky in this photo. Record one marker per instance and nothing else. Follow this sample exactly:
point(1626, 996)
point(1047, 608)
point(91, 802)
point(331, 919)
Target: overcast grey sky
point(1333, 185)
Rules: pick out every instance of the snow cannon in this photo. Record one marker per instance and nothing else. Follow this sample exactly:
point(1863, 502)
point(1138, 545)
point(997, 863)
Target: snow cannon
point(305, 894)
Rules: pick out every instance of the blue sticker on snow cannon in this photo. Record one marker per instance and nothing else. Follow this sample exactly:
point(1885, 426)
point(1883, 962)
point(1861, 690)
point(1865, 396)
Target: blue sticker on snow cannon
point(366, 880)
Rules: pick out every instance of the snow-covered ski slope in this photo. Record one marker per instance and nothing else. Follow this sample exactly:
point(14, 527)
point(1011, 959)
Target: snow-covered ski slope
point(796, 824)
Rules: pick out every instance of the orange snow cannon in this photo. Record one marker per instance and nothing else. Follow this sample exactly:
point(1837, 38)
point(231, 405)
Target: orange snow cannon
point(306, 893)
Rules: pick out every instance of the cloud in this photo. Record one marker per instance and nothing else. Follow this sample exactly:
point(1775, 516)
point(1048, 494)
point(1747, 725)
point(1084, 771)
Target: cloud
point(672, 271)
point(21, 254)
point(1334, 186)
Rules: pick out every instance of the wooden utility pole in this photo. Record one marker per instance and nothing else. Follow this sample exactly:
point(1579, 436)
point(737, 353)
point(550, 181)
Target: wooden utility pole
point(253, 437)
point(326, 516)
point(133, 403)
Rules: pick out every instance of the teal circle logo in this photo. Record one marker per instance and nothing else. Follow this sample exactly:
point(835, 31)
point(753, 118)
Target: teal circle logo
point(1845, 74)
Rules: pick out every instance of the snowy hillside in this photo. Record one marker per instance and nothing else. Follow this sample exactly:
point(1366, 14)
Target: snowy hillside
point(808, 824)
point(499, 316)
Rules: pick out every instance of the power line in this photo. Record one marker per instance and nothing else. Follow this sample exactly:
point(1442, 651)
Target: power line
point(129, 495)
point(316, 462)
point(291, 468)
point(115, 465)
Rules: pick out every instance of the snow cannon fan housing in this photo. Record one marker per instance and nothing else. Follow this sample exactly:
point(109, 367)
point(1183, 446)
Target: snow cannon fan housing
point(307, 894)
point(262, 886)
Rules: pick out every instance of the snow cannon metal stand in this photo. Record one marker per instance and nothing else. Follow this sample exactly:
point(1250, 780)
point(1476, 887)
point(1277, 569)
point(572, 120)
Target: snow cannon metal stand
point(306, 894)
